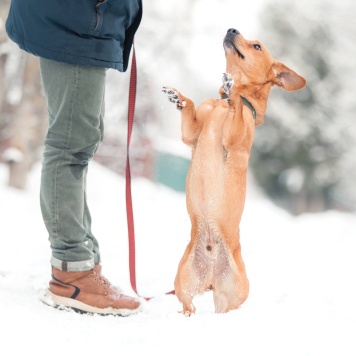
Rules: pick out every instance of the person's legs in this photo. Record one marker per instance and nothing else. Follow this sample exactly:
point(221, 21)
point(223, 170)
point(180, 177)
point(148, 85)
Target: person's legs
point(75, 98)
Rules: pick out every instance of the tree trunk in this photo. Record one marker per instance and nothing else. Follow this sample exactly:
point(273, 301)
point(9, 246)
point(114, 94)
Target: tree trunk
point(29, 126)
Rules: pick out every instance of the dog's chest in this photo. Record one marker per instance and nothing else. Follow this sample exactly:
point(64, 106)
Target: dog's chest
point(206, 173)
point(210, 141)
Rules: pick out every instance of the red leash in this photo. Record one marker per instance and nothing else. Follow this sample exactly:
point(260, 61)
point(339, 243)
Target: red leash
point(129, 209)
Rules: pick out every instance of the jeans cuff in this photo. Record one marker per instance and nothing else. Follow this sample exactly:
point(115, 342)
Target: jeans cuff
point(78, 266)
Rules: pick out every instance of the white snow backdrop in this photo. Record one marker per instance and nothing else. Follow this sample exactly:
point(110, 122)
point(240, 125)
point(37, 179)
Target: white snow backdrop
point(301, 270)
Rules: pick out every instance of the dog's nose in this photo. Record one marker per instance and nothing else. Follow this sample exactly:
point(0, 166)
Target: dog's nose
point(233, 31)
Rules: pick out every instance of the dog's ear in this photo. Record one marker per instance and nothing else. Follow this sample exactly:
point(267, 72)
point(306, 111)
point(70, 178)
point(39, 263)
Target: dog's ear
point(286, 78)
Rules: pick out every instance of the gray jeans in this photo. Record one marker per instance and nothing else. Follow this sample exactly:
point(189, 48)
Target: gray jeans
point(75, 99)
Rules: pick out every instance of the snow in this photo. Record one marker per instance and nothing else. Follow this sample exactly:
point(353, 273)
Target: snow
point(301, 272)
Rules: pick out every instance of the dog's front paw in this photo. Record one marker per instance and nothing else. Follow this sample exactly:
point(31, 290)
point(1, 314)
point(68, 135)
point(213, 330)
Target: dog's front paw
point(174, 97)
point(228, 83)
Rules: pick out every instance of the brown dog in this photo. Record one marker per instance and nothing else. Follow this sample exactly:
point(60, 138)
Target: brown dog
point(220, 133)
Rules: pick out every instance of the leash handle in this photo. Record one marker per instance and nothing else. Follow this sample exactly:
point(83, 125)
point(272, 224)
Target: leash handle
point(129, 208)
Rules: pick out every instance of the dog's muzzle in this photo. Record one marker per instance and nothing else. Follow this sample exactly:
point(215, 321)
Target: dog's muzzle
point(229, 41)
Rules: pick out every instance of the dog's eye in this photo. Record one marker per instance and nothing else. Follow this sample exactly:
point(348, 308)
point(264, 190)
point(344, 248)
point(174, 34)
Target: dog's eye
point(257, 47)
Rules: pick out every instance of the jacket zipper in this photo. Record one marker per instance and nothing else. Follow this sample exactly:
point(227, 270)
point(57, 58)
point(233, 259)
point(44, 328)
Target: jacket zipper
point(97, 10)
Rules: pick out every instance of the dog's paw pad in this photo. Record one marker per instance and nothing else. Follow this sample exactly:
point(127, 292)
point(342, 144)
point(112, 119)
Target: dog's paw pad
point(228, 83)
point(171, 94)
point(173, 97)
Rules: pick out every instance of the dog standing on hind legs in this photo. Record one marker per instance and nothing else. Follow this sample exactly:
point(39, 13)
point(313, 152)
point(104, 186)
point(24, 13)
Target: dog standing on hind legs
point(220, 133)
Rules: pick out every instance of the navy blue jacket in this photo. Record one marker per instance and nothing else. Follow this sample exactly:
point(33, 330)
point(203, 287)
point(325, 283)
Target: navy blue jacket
point(87, 32)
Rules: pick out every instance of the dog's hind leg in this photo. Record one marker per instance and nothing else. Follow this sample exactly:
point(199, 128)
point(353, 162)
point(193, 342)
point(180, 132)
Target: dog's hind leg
point(191, 278)
point(230, 293)
point(231, 285)
point(185, 283)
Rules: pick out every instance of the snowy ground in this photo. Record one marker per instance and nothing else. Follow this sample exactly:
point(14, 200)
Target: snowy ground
point(301, 271)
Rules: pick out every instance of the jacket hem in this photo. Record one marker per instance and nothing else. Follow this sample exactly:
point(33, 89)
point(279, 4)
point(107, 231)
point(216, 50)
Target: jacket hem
point(69, 58)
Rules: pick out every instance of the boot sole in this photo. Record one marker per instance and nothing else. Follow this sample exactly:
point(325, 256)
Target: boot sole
point(64, 303)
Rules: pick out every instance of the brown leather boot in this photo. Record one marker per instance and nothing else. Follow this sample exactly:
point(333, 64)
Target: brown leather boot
point(88, 292)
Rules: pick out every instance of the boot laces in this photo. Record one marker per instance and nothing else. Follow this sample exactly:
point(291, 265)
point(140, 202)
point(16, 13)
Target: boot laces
point(102, 281)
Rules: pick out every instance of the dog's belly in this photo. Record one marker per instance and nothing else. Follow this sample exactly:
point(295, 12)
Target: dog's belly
point(205, 182)
point(216, 181)
point(215, 188)
point(211, 260)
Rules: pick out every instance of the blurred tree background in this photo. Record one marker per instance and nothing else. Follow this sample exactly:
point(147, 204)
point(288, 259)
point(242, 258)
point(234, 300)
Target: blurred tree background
point(23, 119)
point(304, 156)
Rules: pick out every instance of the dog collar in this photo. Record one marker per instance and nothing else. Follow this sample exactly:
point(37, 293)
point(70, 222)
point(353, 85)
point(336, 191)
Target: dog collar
point(250, 106)
point(246, 103)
